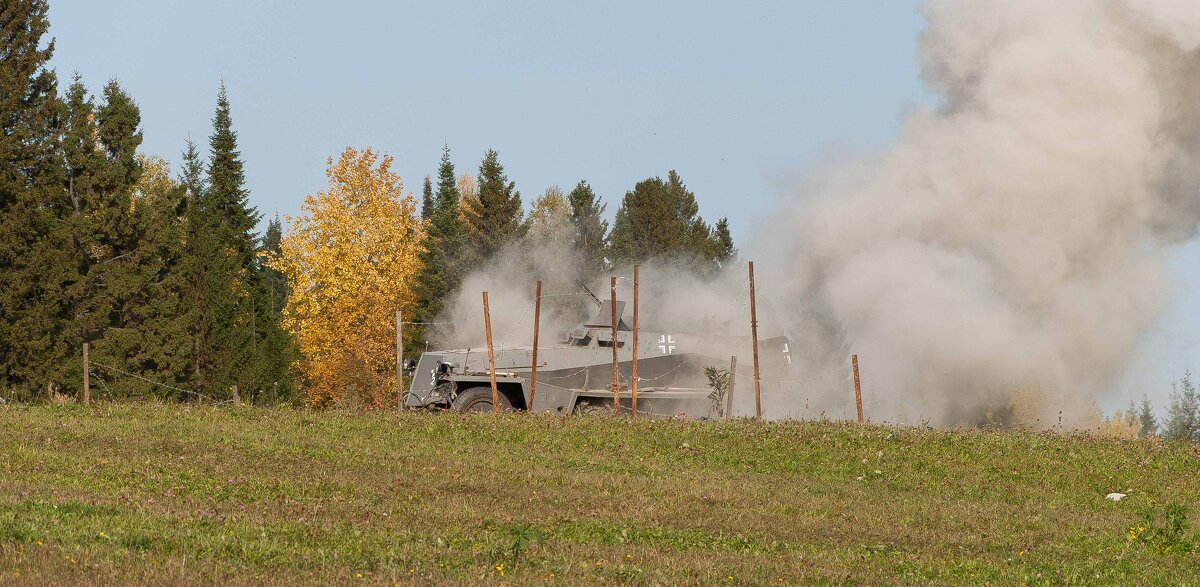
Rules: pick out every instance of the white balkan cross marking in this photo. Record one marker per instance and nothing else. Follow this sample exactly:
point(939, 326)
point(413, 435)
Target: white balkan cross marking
point(666, 344)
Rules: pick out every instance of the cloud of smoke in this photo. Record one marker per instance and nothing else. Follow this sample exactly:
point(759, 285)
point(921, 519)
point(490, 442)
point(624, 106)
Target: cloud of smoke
point(1013, 239)
point(1008, 247)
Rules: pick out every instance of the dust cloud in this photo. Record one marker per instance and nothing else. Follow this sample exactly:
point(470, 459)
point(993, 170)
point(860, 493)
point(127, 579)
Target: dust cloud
point(1012, 240)
point(1010, 244)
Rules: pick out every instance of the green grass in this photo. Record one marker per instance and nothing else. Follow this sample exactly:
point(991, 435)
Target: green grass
point(184, 495)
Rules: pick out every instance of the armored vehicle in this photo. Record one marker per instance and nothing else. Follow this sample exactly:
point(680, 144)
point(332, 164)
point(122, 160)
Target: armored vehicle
point(574, 372)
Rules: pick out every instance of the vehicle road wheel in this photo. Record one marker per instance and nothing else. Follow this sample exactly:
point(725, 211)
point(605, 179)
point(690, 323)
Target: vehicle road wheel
point(593, 408)
point(478, 399)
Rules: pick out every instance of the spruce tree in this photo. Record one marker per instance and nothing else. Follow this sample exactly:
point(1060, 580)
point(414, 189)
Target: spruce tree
point(248, 345)
point(112, 290)
point(591, 229)
point(661, 219)
point(723, 251)
point(161, 349)
point(278, 350)
point(444, 259)
point(1147, 423)
point(83, 164)
point(658, 219)
point(191, 177)
point(81, 158)
point(427, 199)
point(227, 194)
point(228, 278)
point(203, 270)
point(276, 283)
point(35, 241)
point(1183, 414)
point(119, 133)
point(496, 217)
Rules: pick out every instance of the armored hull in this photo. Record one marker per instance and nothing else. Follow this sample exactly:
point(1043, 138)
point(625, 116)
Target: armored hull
point(575, 374)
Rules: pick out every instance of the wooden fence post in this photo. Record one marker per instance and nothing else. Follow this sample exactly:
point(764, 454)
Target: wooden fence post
point(487, 326)
point(754, 346)
point(857, 388)
point(732, 384)
point(537, 315)
point(633, 380)
point(616, 382)
point(399, 360)
point(87, 376)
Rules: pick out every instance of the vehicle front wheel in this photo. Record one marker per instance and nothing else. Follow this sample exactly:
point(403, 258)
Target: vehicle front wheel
point(478, 399)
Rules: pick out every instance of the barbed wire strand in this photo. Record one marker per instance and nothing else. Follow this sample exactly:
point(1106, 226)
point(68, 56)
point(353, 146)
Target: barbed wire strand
point(152, 382)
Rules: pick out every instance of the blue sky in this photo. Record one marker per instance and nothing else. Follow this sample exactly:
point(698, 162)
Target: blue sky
point(731, 97)
point(738, 97)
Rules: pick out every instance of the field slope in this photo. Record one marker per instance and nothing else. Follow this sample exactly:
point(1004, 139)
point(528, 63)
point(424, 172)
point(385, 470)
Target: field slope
point(185, 495)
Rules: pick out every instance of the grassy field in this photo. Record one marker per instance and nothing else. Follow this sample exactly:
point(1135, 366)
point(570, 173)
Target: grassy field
point(185, 495)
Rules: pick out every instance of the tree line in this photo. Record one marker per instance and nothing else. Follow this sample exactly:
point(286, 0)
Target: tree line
point(470, 220)
point(1182, 419)
point(359, 251)
point(164, 274)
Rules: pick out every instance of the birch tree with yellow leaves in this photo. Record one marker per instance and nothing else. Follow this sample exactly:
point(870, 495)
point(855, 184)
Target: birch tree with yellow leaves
point(351, 258)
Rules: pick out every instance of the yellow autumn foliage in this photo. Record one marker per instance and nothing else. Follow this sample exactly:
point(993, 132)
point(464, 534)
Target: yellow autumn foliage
point(351, 260)
point(1124, 425)
point(155, 179)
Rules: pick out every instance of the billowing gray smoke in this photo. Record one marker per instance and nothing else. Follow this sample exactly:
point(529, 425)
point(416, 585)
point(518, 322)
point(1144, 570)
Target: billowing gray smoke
point(1013, 239)
point(1009, 246)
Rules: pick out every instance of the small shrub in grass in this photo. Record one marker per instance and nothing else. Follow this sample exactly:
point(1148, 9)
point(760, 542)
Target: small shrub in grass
point(1165, 529)
point(718, 380)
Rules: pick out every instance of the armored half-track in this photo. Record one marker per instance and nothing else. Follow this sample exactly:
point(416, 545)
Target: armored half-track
point(574, 372)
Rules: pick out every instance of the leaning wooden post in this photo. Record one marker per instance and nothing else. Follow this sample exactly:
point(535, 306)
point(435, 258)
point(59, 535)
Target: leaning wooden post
point(633, 379)
point(616, 383)
point(537, 315)
point(87, 376)
point(487, 327)
point(399, 360)
point(857, 388)
point(732, 384)
point(754, 347)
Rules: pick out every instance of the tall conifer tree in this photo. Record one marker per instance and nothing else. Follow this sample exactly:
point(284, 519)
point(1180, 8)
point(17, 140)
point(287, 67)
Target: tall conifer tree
point(111, 291)
point(227, 194)
point(161, 345)
point(591, 229)
point(1183, 412)
point(444, 259)
point(81, 158)
point(661, 219)
point(1147, 423)
point(240, 332)
point(427, 199)
point(203, 270)
point(723, 251)
point(496, 217)
point(35, 243)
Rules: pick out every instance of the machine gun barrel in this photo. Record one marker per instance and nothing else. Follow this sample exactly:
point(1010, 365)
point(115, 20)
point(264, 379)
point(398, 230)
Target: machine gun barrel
point(589, 293)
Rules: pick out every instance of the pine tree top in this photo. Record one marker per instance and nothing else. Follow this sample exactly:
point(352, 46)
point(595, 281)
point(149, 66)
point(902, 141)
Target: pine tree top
point(191, 174)
point(118, 131)
point(226, 195)
point(427, 199)
point(28, 99)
